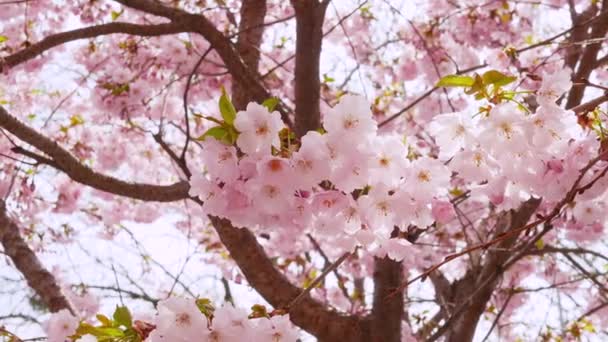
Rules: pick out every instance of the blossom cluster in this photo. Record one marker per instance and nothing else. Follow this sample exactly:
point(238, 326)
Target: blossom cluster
point(178, 320)
point(352, 186)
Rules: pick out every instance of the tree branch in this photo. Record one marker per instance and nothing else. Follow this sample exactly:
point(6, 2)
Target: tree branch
point(588, 59)
point(247, 78)
point(251, 28)
point(66, 162)
point(57, 39)
point(387, 315)
point(26, 261)
point(483, 279)
point(309, 37)
point(309, 314)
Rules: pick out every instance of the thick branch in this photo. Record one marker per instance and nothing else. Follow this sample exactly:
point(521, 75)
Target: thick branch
point(387, 314)
point(573, 53)
point(309, 37)
point(588, 59)
point(54, 40)
point(478, 284)
point(66, 162)
point(251, 27)
point(591, 105)
point(248, 79)
point(26, 261)
point(310, 315)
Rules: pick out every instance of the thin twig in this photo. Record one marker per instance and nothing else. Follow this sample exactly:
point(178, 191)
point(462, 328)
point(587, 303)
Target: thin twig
point(186, 91)
point(318, 280)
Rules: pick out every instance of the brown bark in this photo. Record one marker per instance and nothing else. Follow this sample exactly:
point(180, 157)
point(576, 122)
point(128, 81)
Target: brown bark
point(251, 28)
point(472, 292)
point(64, 161)
point(588, 59)
point(247, 79)
point(309, 34)
point(26, 261)
point(388, 307)
point(57, 39)
point(310, 315)
point(578, 34)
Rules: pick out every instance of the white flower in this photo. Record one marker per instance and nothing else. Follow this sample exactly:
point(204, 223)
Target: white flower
point(351, 117)
point(178, 320)
point(61, 325)
point(452, 132)
point(553, 86)
point(277, 329)
point(258, 129)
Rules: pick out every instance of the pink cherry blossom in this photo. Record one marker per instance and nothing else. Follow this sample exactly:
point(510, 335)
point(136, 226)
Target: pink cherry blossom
point(352, 117)
point(258, 129)
point(60, 325)
point(178, 319)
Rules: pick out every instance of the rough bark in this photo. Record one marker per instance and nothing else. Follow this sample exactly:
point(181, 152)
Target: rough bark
point(309, 314)
point(57, 39)
point(472, 292)
point(64, 161)
point(309, 34)
point(316, 318)
point(387, 312)
point(588, 57)
point(251, 28)
point(247, 79)
point(573, 53)
point(26, 261)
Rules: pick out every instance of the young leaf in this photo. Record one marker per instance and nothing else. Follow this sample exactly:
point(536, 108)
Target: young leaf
point(122, 316)
point(217, 132)
point(115, 14)
point(456, 81)
point(227, 108)
point(205, 306)
point(496, 78)
point(105, 321)
point(327, 79)
point(3, 38)
point(540, 244)
point(258, 311)
point(270, 103)
point(85, 328)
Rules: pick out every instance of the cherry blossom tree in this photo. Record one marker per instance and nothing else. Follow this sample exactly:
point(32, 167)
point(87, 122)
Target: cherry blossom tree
point(375, 170)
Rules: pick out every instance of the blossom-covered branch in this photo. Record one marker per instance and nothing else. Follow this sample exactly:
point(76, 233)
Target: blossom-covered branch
point(66, 162)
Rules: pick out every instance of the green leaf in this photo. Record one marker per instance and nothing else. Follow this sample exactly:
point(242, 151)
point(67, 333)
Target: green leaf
point(456, 81)
point(205, 306)
point(217, 132)
point(105, 321)
point(76, 120)
point(85, 328)
point(497, 78)
point(476, 87)
point(327, 79)
point(3, 39)
point(210, 118)
point(112, 332)
point(122, 316)
point(540, 244)
point(227, 108)
point(270, 103)
point(115, 14)
point(232, 135)
point(258, 311)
